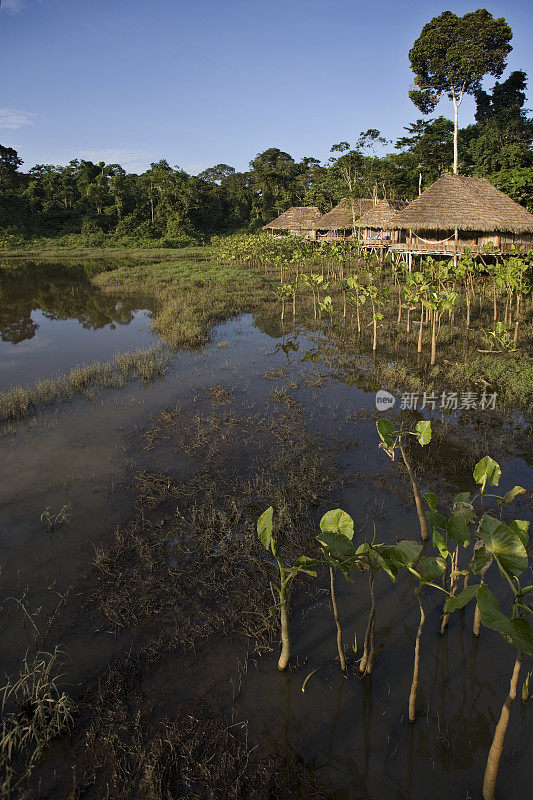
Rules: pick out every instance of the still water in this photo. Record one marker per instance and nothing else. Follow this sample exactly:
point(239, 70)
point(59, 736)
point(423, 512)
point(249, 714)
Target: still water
point(53, 318)
point(83, 456)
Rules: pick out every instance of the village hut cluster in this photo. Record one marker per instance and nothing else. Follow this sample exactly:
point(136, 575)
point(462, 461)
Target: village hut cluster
point(455, 214)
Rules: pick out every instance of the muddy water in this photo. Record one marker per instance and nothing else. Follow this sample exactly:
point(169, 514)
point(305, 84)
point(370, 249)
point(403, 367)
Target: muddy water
point(52, 318)
point(354, 734)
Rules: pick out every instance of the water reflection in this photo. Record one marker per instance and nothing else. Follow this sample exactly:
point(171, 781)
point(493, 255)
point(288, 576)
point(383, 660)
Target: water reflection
point(49, 315)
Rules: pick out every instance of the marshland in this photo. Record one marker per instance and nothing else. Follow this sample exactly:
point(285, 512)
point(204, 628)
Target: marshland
point(139, 613)
point(266, 444)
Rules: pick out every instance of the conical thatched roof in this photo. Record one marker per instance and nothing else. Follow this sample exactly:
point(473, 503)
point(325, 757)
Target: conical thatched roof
point(382, 215)
point(340, 217)
point(297, 218)
point(469, 204)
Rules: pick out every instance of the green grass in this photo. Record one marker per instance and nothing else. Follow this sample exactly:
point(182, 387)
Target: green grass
point(51, 250)
point(192, 295)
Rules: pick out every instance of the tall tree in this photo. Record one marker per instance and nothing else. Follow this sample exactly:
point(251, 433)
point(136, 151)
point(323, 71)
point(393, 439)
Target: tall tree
point(430, 144)
point(349, 166)
point(502, 137)
point(217, 173)
point(451, 57)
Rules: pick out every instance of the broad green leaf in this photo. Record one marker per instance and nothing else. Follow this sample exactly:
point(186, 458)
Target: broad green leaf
point(516, 631)
point(305, 564)
point(481, 561)
point(390, 566)
point(460, 600)
point(462, 497)
point(339, 544)
point(521, 527)
point(431, 500)
point(337, 521)
point(430, 568)
point(385, 430)
point(436, 520)
point(404, 553)
point(457, 527)
point(439, 543)
point(505, 545)
point(264, 528)
point(343, 563)
point(487, 470)
point(423, 431)
point(510, 495)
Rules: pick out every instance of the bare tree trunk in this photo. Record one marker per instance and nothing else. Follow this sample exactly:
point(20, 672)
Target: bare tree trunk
point(456, 104)
point(495, 752)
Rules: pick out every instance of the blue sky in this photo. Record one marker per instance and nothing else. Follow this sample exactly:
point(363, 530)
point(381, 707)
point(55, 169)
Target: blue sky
point(200, 82)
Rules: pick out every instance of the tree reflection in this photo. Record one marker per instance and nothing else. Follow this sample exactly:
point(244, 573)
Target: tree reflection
point(59, 293)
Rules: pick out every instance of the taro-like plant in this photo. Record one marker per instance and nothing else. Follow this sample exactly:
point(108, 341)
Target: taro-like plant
point(326, 305)
point(286, 292)
point(392, 439)
point(426, 569)
point(315, 282)
point(514, 628)
point(302, 566)
point(335, 541)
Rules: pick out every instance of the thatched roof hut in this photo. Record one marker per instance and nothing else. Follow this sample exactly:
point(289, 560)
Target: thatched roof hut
point(297, 218)
point(341, 217)
point(468, 204)
point(381, 216)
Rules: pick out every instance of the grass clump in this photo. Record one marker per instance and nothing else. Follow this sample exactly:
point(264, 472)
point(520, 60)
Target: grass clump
point(192, 295)
point(145, 365)
point(34, 711)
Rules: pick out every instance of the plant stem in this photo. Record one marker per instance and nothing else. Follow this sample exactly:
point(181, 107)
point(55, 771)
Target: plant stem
point(367, 661)
point(495, 752)
point(285, 638)
point(342, 659)
point(418, 501)
point(420, 330)
point(453, 588)
point(416, 665)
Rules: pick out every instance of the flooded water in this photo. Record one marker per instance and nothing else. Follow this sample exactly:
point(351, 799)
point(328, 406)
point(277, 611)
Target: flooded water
point(353, 734)
point(53, 318)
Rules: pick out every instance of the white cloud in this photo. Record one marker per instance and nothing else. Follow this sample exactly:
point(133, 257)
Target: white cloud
point(13, 119)
point(12, 6)
point(132, 160)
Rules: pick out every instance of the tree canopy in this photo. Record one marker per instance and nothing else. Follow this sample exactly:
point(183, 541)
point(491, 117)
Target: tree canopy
point(453, 54)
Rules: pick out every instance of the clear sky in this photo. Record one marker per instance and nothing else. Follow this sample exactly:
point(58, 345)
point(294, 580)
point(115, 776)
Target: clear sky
point(200, 82)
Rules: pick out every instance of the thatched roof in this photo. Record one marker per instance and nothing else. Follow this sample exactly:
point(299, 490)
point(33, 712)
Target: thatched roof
point(297, 218)
point(340, 217)
point(382, 215)
point(469, 204)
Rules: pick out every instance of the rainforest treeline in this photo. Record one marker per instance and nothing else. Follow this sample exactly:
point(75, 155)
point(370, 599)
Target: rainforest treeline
point(88, 203)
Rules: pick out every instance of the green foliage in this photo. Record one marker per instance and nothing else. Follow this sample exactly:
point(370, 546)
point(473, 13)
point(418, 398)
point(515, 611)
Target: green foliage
point(338, 522)
point(487, 470)
point(453, 54)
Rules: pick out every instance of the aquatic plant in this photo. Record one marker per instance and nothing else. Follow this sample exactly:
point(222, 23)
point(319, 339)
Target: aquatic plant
point(34, 711)
point(392, 439)
point(302, 566)
point(337, 526)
